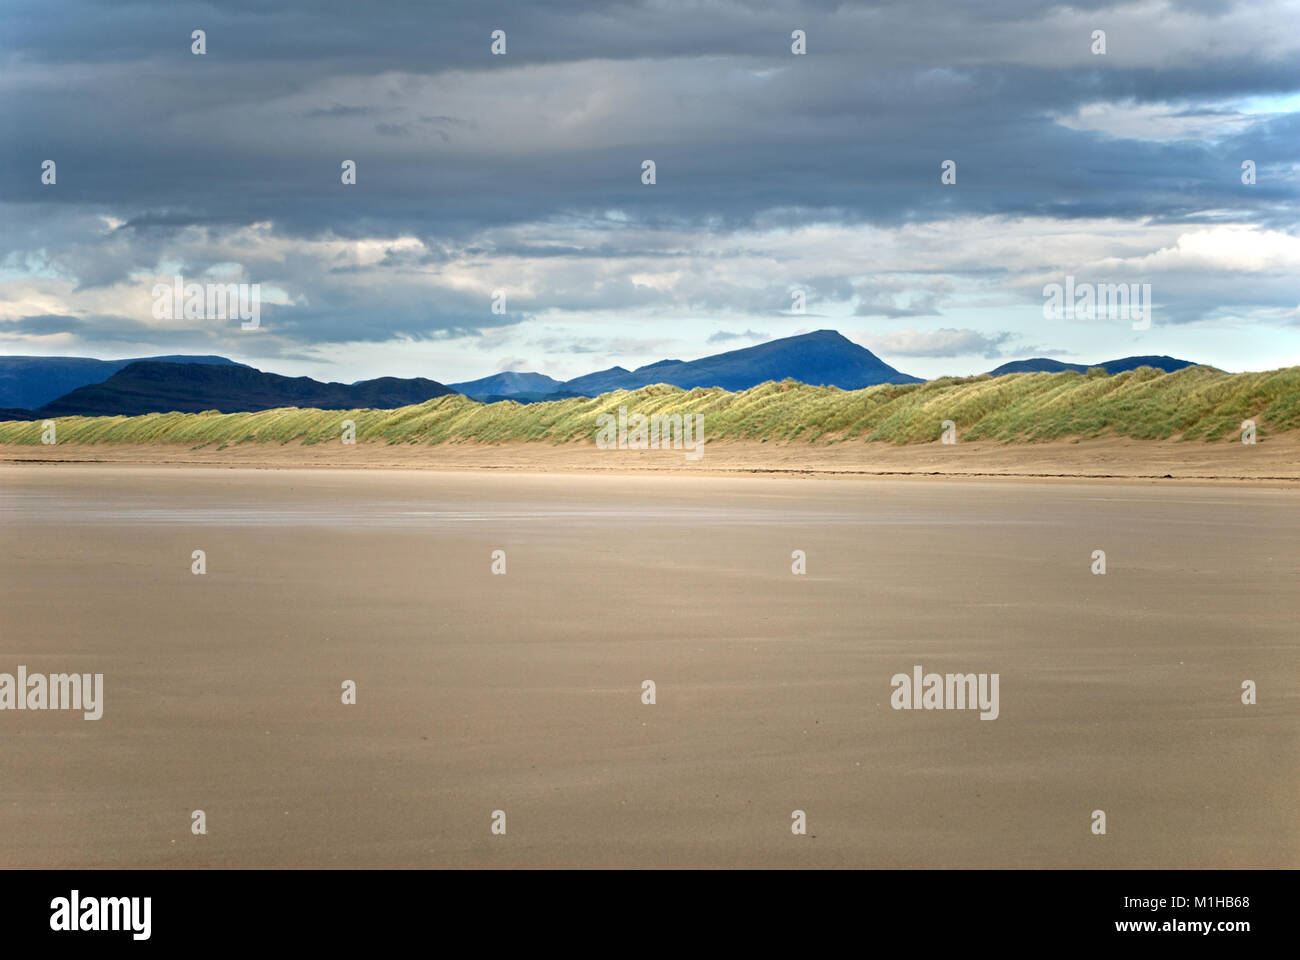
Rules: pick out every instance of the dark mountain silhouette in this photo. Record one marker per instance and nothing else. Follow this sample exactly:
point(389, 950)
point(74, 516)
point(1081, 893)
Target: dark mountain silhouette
point(1047, 365)
point(154, 387)
point(823, 358)
point(193, 384)
point(28, 382)
point(602, 381)
point(508, 383)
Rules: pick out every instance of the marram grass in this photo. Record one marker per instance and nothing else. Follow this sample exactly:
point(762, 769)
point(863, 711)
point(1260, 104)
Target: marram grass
point(1197, 403)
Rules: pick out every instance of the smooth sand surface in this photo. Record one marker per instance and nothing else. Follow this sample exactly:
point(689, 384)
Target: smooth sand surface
point(522, 692)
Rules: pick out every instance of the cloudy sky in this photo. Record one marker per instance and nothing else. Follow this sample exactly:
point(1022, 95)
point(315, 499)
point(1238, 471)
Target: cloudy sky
point(775, 173)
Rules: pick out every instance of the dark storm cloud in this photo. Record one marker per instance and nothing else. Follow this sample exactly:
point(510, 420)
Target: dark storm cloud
point(857, 128)
point(741, 132)
point(46, 323)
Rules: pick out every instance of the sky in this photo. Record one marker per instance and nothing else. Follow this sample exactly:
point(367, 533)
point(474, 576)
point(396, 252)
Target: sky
point(516, 179)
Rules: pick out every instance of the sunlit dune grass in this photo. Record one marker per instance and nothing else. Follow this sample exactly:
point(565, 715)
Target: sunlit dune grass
point(1197, 403)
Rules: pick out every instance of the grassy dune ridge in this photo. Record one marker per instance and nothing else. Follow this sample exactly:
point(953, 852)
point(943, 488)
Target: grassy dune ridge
point(1197, 403)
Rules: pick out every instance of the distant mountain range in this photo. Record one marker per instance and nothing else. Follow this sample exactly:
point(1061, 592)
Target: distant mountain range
point(507, 383)
point(149, 386)
point(1046, 365)
point(38, 387)
point(30, 382)
point(822, 358)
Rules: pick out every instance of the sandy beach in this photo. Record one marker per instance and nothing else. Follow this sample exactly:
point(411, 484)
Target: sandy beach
point(1276, 459)
point(522, 692)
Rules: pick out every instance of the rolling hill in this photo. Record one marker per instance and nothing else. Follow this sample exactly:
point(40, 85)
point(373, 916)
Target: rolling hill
point(152, 387)
point(1048, 365)
point(30, 382)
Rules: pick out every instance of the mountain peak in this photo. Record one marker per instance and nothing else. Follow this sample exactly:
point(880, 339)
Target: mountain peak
point(822, 357)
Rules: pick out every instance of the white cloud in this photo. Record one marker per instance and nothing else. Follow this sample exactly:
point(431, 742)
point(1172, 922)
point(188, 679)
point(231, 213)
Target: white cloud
point(1156, 121)
point(1237, 249)
point(945, 342)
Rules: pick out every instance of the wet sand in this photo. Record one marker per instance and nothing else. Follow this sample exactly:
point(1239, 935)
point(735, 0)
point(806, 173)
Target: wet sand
point(522, 692)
